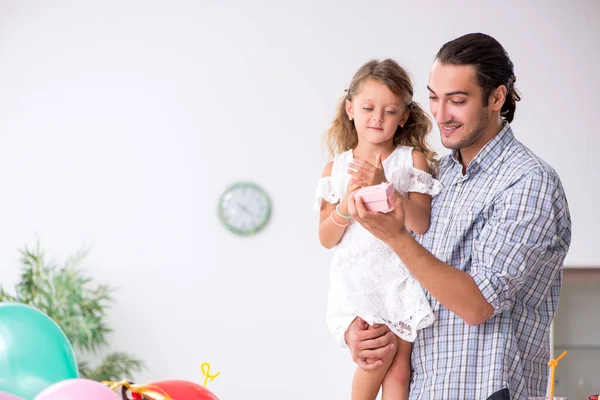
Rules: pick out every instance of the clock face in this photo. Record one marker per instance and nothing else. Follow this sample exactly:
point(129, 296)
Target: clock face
point(244, 208)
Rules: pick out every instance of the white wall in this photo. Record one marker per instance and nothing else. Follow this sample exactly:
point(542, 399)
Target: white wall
point(122, 122)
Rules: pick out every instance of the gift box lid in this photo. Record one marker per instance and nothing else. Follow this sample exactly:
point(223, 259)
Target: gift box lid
point(380, 192)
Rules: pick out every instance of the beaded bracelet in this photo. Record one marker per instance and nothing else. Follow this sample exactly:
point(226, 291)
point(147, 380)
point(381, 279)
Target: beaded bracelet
point(337, 210)
point(337, 223)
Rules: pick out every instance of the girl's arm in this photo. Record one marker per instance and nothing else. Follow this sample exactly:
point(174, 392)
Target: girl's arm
point(417, 206)
point(331, 225)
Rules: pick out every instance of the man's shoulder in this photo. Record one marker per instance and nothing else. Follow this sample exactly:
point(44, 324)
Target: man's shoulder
point(520, 162)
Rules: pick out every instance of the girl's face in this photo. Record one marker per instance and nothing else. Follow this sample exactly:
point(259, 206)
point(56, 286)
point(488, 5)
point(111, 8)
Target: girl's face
point(376, 113)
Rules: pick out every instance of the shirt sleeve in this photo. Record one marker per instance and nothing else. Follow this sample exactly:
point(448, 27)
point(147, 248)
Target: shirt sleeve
point(527, 237)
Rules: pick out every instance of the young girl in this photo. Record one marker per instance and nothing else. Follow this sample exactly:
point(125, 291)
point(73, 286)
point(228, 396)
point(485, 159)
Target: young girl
point(378, 136)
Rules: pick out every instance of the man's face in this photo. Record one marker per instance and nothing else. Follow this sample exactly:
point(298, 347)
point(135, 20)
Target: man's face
point(455, 99)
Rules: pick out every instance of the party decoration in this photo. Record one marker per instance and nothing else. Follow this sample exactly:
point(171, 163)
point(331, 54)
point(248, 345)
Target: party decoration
point(77, 389)
point(553, 364)
point(166, 390)
point(205, 368)
point(138, 391)
point(178, 389)
point(8, 396)
point(34, 351)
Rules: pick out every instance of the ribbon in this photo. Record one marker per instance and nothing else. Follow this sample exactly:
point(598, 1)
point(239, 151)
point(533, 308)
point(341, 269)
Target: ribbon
point(205, 367)
point(150, 391)
point(553, 364)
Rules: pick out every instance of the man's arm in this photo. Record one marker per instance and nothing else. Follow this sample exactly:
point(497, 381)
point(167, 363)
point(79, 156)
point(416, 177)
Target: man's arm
point(527, 219)
point(453, 288)
point(525, 240)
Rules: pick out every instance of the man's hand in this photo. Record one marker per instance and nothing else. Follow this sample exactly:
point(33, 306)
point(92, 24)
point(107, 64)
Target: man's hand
point(383, 226)
point(366, 342)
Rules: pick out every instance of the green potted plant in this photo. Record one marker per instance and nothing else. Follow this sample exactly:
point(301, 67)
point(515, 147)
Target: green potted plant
point(66, 294)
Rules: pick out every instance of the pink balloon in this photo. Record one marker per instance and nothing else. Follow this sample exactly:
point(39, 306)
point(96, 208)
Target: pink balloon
point(77, 389)
point(8, 396)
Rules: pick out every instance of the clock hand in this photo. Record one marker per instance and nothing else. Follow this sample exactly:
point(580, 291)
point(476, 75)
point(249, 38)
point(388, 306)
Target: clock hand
point(244, 209)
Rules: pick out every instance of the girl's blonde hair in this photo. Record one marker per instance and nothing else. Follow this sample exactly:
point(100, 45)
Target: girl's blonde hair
point(342, 136)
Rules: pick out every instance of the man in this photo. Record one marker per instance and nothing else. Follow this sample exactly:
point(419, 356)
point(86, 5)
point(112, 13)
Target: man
point(499, 234)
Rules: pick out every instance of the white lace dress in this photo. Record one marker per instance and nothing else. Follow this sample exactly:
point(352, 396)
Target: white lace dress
point(367, 279)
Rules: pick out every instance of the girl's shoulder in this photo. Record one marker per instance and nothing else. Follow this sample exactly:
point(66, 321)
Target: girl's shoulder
point(344, 155)
point(405, 150)
point(401, 157)
point(340, 161)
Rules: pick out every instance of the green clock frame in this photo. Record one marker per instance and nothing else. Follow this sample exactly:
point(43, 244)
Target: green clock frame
point(259, 225)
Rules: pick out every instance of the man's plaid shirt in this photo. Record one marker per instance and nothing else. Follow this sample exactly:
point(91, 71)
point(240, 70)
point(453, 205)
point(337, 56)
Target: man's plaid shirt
point(506, 223)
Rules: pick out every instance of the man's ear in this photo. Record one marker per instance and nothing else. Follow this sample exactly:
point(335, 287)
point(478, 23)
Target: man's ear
point(498, 97)
point(349, 110)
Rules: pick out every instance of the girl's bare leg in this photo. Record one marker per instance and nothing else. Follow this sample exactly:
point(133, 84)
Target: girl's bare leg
point(396, 383)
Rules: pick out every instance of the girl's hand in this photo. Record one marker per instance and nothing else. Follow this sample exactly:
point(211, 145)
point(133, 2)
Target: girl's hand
point(385, 227)
point(366, 174)
point(352, 187)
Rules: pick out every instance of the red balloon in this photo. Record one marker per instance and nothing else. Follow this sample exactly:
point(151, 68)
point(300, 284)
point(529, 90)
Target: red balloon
point(184, 390)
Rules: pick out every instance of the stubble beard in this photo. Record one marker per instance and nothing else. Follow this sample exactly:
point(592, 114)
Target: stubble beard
point(473, 136)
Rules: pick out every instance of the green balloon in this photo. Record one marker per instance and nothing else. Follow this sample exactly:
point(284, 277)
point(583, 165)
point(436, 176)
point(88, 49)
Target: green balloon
point(34, 352)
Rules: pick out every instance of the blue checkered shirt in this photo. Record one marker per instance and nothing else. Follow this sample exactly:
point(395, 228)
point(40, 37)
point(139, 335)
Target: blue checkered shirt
point(506, 223)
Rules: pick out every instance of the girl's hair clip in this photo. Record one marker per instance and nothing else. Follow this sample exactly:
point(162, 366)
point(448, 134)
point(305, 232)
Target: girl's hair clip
point(411, 105)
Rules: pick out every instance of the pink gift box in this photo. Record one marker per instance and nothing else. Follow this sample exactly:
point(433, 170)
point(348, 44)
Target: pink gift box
point(377, 197)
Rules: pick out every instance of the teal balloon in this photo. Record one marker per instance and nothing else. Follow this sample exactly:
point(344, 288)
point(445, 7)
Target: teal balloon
point(34, 352)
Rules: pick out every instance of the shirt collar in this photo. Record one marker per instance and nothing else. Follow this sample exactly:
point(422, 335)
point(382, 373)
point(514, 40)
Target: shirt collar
point(489, 156)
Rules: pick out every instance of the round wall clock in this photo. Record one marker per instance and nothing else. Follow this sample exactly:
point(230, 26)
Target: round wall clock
point(244, 208)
